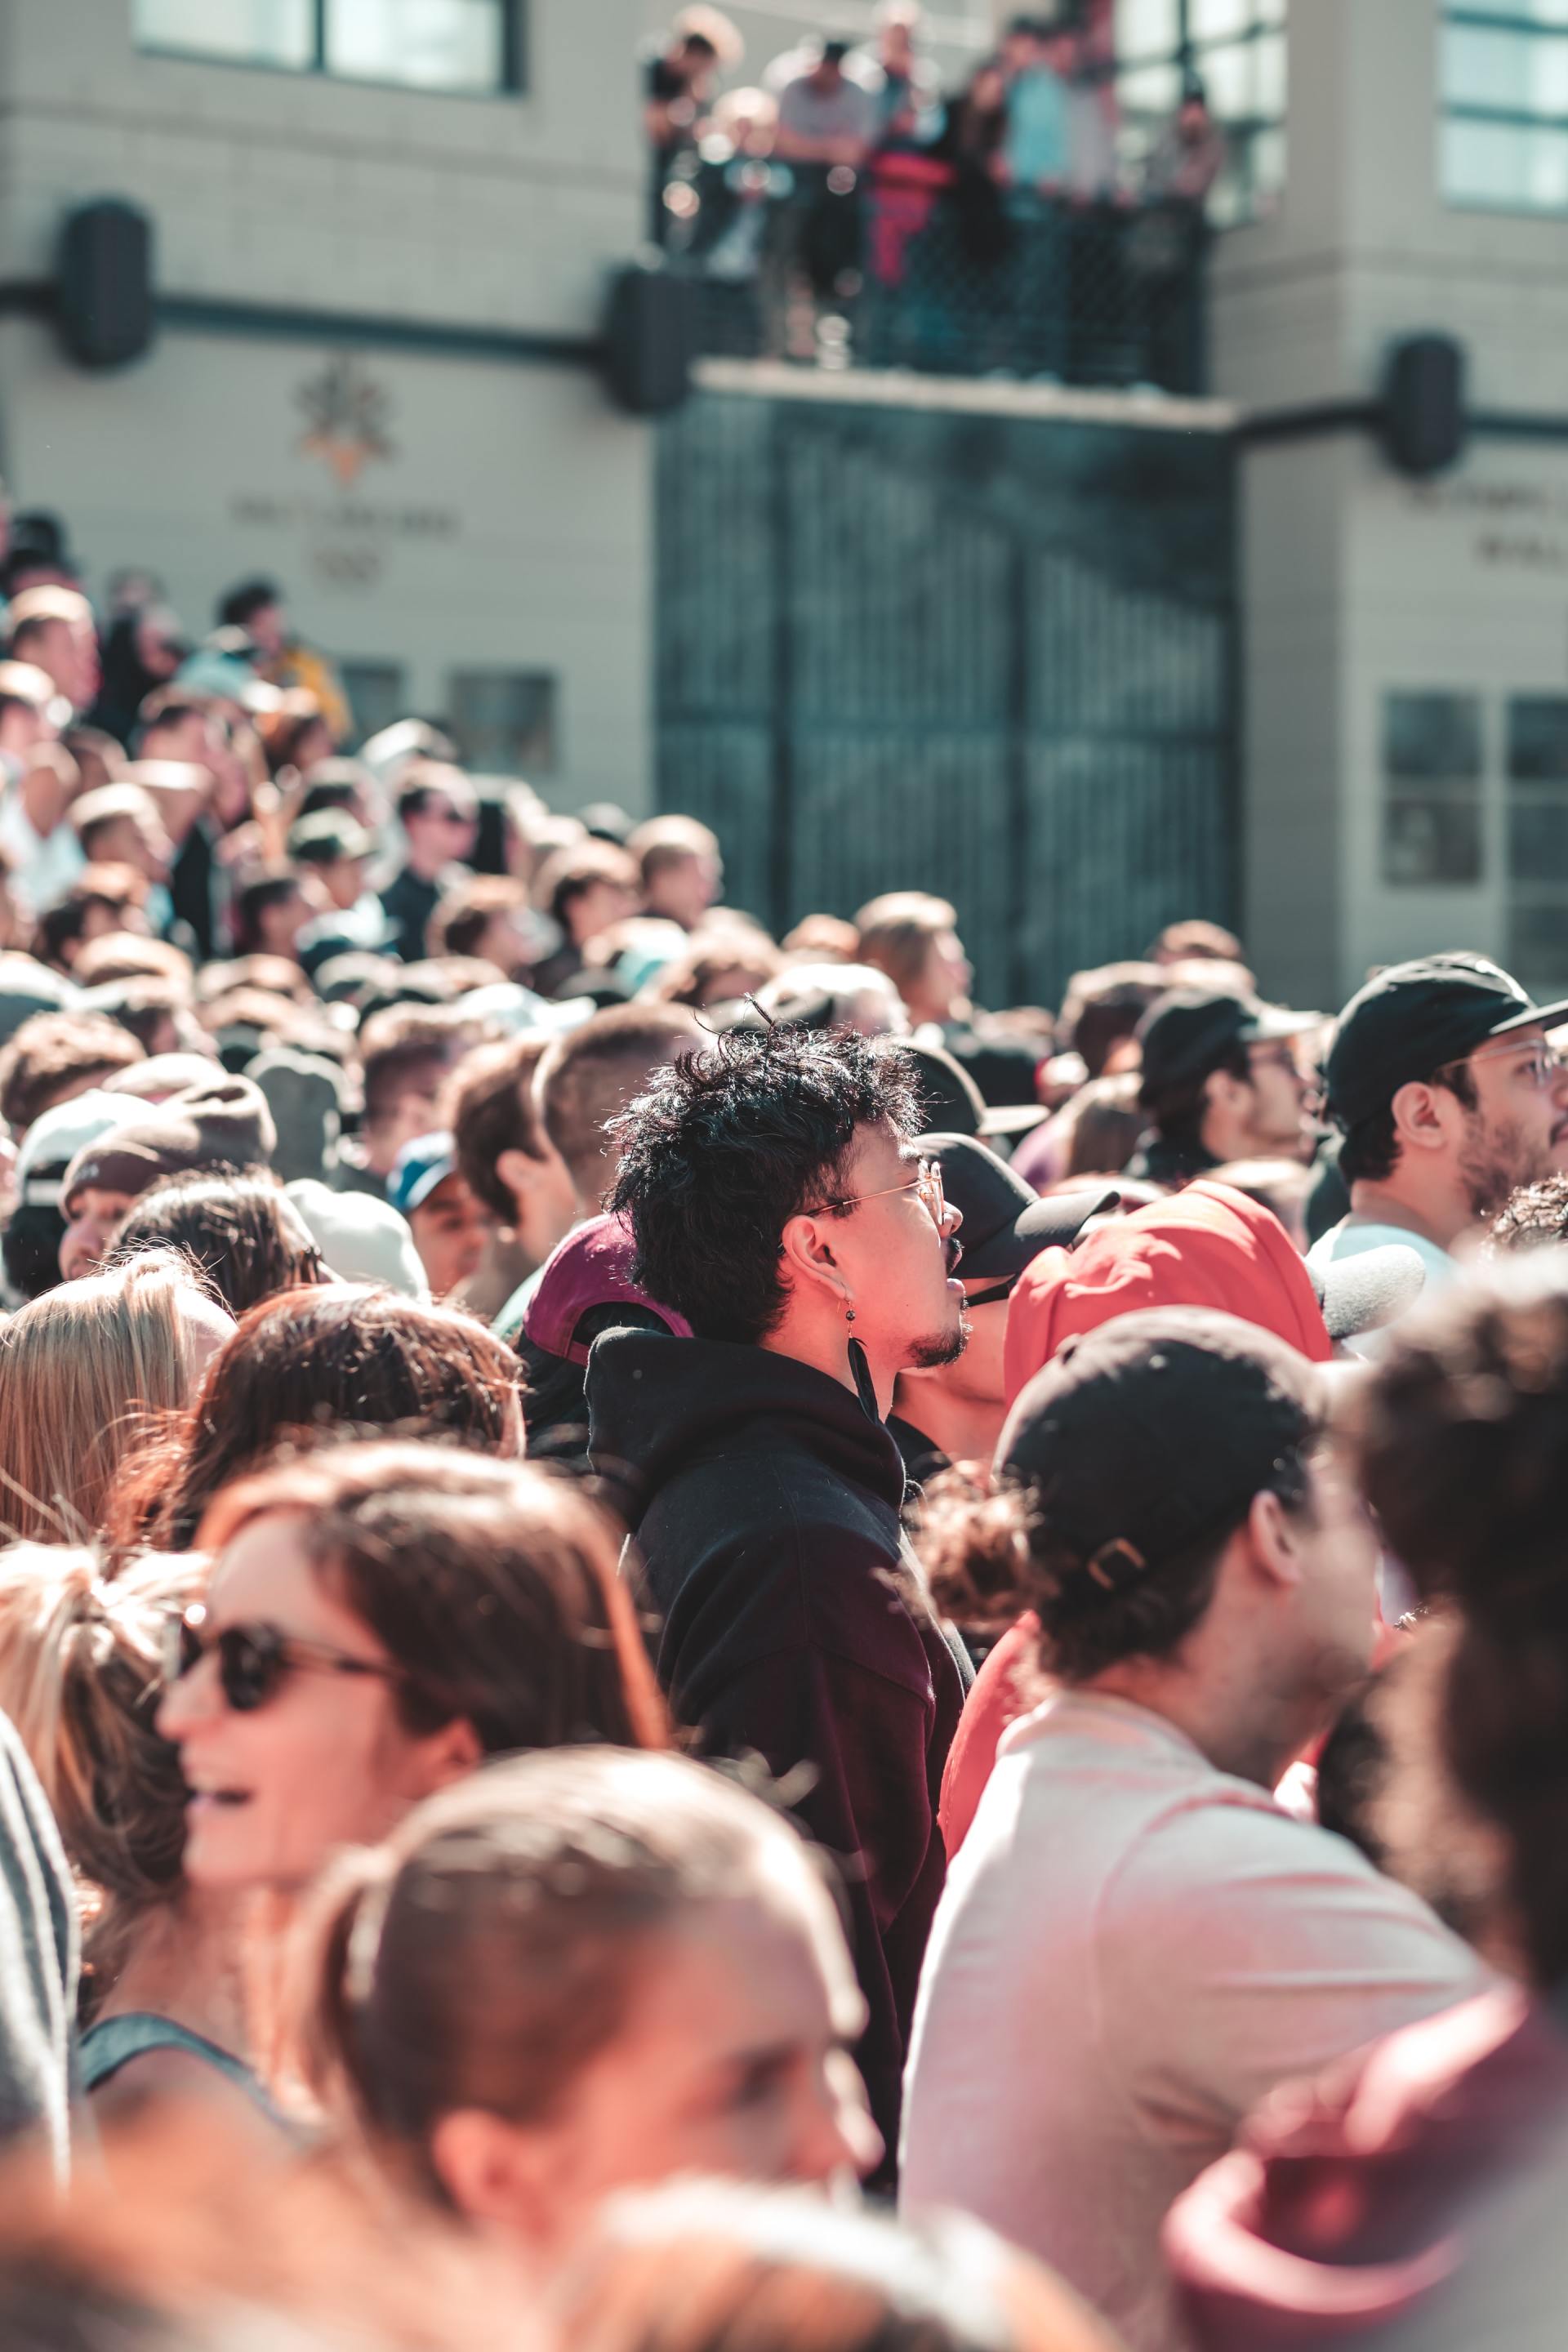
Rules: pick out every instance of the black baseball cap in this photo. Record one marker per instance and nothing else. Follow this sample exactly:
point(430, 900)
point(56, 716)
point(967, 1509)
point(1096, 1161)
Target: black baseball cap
point(1005, 1222)
point(1153, 1433)
point(1189, 1033)
point(1416, 1018)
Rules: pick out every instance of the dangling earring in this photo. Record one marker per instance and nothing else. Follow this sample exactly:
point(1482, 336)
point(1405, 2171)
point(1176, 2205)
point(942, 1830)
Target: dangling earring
point(860, 1373)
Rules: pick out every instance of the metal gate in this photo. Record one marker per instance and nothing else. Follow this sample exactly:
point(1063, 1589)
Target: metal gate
point(953, 648)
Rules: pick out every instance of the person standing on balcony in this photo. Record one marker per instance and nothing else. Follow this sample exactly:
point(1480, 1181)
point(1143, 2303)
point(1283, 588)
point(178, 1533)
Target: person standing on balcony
point(678, 83)
point(1189, 155)
point(825, 116)
point(1037, 150)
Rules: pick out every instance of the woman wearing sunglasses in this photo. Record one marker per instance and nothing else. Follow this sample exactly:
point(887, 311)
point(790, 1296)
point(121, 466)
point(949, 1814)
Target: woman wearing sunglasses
point(379, 1619)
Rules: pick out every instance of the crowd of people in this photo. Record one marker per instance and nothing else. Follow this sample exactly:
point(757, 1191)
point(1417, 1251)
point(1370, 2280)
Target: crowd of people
point(650, 1570)
point(830, 169)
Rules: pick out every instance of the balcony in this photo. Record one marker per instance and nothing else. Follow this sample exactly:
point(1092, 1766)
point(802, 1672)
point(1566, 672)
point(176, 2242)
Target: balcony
point(910, 263)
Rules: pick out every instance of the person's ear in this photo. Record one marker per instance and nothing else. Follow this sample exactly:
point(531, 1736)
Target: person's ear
point(521, 1173)
point(805, 1247)
point(450, 1754)
point(498, 2172)
point(1424, 1116)
point(1274, 1540)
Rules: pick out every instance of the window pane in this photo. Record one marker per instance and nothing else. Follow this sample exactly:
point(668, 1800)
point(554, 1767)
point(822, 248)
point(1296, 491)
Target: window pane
point(1271, 56)
point(1538, 738)
point(1219, 20)
point(1147, 28)
point(1153, 90)
point(1538, 946)
point(1431, 837)
point(1506, 164)
point(504, 720)
point(1506, 69)
point(377, 695)
point(1230, 76)
point(1432, 735)
point(1537, 838)
point(254, 31)
point(428, 43)
point(1544, 12)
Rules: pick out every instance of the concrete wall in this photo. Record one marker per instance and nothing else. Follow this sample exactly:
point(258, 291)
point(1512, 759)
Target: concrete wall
point(1356, 583)
point(505, 522)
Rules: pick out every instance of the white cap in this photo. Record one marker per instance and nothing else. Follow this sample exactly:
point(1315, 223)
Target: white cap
point(361, 1239)
point(56, 1136)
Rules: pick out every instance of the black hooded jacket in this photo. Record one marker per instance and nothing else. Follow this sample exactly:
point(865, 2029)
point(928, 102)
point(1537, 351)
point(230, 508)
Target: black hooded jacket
point(765, 1504)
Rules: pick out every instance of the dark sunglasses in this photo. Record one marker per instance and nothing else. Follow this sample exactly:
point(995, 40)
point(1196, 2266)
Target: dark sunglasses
point(253, 1661)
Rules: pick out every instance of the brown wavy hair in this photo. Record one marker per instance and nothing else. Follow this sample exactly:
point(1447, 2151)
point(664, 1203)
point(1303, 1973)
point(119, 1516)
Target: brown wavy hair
point(337, 1362)
point(492, 1586)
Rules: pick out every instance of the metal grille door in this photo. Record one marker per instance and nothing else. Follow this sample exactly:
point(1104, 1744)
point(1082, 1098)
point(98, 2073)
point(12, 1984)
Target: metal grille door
point(982, 654)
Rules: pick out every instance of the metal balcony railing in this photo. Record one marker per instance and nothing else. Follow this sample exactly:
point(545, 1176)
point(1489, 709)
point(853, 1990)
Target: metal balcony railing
point(913, 263)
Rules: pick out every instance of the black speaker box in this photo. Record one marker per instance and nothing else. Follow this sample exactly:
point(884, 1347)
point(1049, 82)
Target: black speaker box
point(651, 339)
point(1423, 404)
point(104, 284)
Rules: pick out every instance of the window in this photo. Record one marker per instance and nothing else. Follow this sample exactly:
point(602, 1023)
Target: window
point(377, 695)
point(1537, 838)
point(504, 720)
point(1236, 48)
point(1504, 128)
point(466, 47)
point(1431, 789)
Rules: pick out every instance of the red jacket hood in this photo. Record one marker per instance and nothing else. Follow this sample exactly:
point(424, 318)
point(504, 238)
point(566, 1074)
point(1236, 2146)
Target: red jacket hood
point(1346, 2207)
point(1206, 1247)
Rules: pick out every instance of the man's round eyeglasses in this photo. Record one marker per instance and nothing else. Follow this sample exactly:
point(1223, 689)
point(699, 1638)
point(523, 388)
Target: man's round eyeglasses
point(1542, 1066)
point(927, 1182)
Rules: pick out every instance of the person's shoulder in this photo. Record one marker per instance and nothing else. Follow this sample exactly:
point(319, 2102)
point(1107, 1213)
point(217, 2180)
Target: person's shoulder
point(1222, 1837)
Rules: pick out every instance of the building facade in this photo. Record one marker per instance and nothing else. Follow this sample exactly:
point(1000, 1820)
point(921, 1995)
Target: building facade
point(1405, 643)
point(465, 525)
point(459, 515)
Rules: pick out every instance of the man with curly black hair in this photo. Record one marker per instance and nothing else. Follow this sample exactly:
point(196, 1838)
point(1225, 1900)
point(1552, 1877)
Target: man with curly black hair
point(777, 1203)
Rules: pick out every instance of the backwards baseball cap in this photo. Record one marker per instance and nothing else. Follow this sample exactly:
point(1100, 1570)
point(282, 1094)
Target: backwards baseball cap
point(1189, 1033)
point(592, 1267)
point(1206, 1247)
point(56, 1136)
point(1155, 1433)
point(1415, 1019)
point(223, 1124)
point(1005, 1224)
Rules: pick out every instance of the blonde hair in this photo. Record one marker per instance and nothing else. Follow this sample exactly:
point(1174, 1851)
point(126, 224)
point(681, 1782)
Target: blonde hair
point(84, 1371)
point(81, 1671)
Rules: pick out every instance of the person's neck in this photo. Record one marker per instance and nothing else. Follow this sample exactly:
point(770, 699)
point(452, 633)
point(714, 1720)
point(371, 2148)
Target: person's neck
point(425, 864)
point(825, 1346)
point(963, 1428)
point(185, 1963)
point(1228, 1712)
point(1438, 1213)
